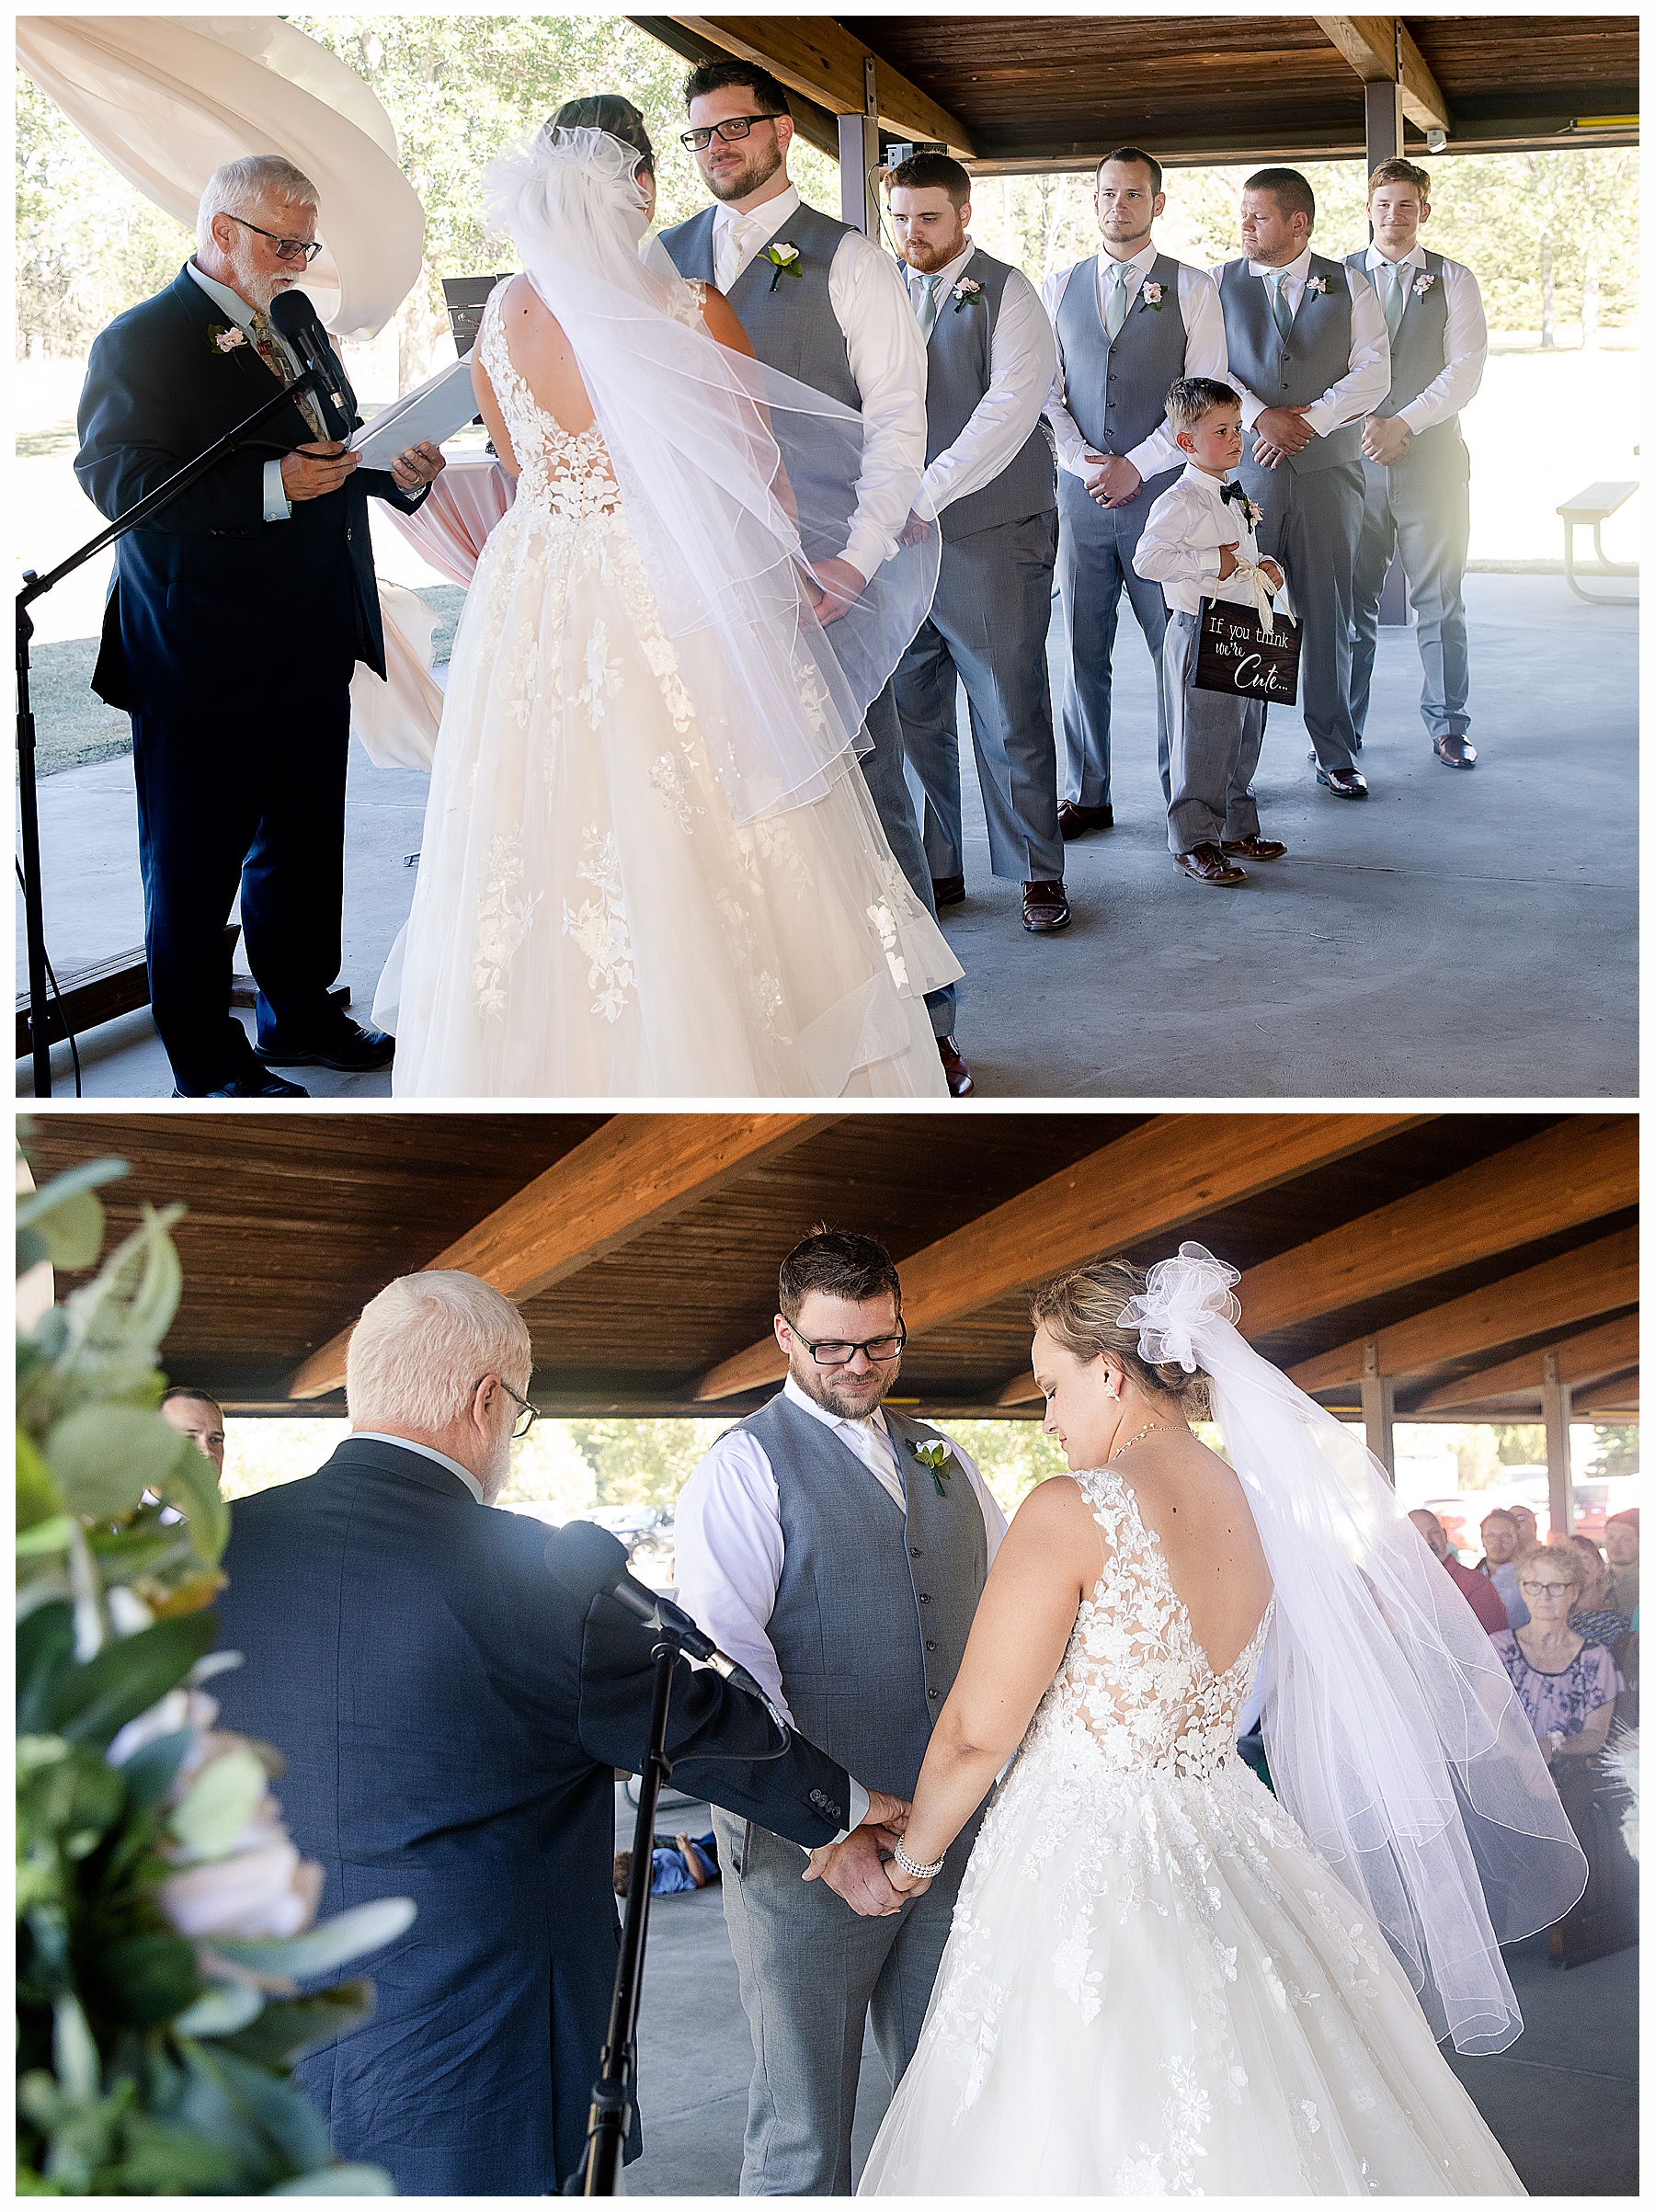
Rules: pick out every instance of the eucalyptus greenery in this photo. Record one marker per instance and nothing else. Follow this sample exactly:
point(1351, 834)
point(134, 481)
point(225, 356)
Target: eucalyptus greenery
point(164, 1916)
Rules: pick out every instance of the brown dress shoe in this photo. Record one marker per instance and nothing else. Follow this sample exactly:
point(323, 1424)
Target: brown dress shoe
point(1454, 752)
point(948, 890)
point(1076, 821)
point(960, 1085)
point(1253, 848)
point(1206, 864)
point(1045, 907)
point(1343, 782)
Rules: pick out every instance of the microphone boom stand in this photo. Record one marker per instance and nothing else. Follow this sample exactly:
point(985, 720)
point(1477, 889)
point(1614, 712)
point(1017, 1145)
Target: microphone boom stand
point(37, 587)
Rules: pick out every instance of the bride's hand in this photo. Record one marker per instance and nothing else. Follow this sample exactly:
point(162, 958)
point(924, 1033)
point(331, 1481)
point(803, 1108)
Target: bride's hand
point(904, 1884)
point(841, 585)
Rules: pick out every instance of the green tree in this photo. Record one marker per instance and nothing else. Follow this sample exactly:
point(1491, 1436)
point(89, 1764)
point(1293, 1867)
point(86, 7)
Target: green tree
point(643, 1462)
point(1614, 1451)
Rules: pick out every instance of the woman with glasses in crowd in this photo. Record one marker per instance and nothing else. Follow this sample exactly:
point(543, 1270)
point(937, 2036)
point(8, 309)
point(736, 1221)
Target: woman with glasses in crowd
point(1566, 1684)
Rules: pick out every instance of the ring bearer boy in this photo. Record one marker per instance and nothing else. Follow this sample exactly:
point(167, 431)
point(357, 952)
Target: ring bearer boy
point(1414, 463)
point(990, 358)
point(1198, 543)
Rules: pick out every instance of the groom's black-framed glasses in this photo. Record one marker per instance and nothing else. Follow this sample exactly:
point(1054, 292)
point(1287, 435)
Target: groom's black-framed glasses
point(527, 1414)
point(733, 126)
point(829, 1354)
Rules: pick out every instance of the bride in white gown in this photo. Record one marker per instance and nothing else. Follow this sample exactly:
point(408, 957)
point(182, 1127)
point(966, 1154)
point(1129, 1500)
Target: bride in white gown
point(1156, 1982)
point(650, 865)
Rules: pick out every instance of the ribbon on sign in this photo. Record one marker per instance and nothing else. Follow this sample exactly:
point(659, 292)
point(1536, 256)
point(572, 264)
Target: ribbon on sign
point(1253, 576)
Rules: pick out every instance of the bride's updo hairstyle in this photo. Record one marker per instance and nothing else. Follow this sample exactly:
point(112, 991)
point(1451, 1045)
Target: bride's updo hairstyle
point(1081, 1311)
point(610, 112)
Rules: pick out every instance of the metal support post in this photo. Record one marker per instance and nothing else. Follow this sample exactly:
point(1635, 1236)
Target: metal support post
point(1555, 1396)
point(1378, 1410)
point(859, 156)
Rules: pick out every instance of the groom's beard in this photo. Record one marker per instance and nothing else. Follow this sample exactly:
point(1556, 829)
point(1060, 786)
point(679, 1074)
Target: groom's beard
point(756, 166)
point(848, 1397)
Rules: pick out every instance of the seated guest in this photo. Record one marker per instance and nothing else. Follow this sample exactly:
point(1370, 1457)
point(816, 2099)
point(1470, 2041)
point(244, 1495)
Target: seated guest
point(688, 1862)
point(1593, 1617)
point(1197, 543)
point(452, 1719)
point(1479, 1592)
point(200, 1417)
point(1620, 1541)
point(1567, 1686)
point(1528, 1528)
point(1500, 1546)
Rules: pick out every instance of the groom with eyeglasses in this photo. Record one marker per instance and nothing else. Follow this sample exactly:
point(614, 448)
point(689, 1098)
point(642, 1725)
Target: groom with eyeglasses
point(837, 1549)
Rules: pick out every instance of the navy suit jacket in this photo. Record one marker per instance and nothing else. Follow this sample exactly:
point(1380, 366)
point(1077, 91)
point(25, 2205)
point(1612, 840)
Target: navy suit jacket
point(452, 1719)
point(209, 598)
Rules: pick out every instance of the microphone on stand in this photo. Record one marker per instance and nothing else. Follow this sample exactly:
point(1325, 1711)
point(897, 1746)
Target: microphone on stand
point(589, 1563)
point(295, 318)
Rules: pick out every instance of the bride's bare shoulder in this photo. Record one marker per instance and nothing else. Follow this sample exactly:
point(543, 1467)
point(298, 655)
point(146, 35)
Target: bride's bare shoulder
point(1056, 1514)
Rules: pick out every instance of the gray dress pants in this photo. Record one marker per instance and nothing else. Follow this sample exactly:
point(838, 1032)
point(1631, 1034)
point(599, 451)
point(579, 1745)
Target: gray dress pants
point(812, 1973)
point(1095, 545)
point(1312, 521)
point(882, 773)
point(988, 628)
point(1421, 505)
point(1215, 741)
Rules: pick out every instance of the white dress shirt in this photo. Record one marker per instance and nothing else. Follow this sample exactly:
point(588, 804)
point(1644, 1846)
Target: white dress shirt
point(1205, 354)
point(730, 1547)
point(1367, 380)
point(1179, 548)
point(870, 305)
point(277, 506)
point(403, 1444)
point(1023, 361)
point(1465, 340)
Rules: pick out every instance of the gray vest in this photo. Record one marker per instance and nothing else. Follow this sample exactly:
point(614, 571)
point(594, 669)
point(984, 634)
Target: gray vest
point(872, 1612)
point(1295, 372)
point(957, 377)
point(787, 316)
point(1117, 392)
point(1420, 349)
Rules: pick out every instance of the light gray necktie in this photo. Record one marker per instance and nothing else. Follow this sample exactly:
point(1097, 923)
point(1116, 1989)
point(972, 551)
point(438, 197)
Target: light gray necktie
point(732, 260)
point(1397, 298)
point(929, 291)
point(1278, 305)
point(1115, 307)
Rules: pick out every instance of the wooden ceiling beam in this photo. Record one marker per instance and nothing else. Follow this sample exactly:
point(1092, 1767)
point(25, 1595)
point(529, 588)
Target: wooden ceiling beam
point(1613, 1400)
point(1594, 1279)
point(1379, 49)
point(817, 56)
point(1169, 1172)
point(1609, 1349)
point(634, 1173)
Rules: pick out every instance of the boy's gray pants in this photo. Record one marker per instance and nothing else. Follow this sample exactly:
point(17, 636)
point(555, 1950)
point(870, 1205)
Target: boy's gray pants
point(1212, 742)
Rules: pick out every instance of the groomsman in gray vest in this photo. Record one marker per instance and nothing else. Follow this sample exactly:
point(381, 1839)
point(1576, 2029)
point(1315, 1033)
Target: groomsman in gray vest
point(842, 1569)
point(990, 359)
point(1309, 356)
point(1416, 471)
point(821, 304)
point(1130, 322)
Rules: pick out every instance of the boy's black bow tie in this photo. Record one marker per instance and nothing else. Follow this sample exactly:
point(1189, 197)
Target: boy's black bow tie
point(1227, 491)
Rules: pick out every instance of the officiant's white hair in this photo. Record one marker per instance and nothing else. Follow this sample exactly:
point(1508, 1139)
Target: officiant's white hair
point(239, 185)
point(421, 1346)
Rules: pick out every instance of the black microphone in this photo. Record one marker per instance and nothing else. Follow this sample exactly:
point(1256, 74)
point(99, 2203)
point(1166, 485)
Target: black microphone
point(590, 1563)
point(296, 319)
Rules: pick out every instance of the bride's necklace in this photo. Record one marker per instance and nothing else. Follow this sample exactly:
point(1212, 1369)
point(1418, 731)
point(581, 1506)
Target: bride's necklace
point(1150, 1428)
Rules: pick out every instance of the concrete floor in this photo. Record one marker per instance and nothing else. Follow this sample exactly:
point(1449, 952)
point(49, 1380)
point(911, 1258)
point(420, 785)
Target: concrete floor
point(1562, 2102)
point(1456, 935)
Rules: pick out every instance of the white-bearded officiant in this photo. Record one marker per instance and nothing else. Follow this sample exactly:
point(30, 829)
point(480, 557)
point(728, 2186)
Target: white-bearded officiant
point(990, 355)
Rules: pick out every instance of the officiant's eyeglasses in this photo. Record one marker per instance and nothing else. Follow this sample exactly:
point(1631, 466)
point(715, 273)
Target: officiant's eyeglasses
point(527, 1414)
point(841, 1355)
point(734, 126)
point(287, 249)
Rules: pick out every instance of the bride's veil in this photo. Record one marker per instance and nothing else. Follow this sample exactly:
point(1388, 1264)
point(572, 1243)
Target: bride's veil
point(698, 437)
point(1393, 1735)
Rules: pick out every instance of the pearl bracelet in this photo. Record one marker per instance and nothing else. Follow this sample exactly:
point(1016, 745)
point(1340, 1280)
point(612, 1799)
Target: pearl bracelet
point(919, 1874)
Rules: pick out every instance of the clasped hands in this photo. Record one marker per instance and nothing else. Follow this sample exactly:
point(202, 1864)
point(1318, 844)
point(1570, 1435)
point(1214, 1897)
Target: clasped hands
point(1110, 479)
point(312, 472)
point(861, 1869)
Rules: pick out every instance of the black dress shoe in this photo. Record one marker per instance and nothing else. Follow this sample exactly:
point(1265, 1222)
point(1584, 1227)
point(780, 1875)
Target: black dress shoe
point(1343, 782)
point(1454, 752)
point(1076, 821)
point(256, 1086)
point(948, 890)
point(351, 1048)
point(960, 1084)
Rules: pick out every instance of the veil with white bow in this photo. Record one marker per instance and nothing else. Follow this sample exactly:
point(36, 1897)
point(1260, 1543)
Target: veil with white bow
point(1393, 1735)
point(735, 479)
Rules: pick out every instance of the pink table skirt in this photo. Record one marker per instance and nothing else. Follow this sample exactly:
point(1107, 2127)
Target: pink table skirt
point(463, 506)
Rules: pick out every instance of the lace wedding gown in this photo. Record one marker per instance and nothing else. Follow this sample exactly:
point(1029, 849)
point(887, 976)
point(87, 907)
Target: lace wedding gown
point(1153, 1986)
point(589, 918)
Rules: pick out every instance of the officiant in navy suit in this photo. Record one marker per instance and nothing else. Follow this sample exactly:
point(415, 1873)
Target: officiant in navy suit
point(235, 620)
point(452, 1719)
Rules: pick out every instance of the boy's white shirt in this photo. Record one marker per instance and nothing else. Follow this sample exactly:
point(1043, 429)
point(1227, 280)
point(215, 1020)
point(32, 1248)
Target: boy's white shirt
point(1179, 546)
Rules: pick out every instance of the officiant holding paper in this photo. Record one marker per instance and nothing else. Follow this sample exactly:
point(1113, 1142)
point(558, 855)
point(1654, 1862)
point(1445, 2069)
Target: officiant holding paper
point(235, 620)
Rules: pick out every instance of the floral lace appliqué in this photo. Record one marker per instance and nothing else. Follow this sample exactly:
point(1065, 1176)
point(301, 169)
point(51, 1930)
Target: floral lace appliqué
point(504, 914)
point(599, 928)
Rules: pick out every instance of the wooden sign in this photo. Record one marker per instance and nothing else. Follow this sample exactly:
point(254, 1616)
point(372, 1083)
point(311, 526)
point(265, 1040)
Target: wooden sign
point(1236, 654)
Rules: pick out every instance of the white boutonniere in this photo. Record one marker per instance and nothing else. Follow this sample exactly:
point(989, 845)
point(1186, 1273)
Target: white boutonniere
point(939, 1460)
point(226, 337)
point(1316, 284)
point(1252, 512)
point(784, 259)
point(1153, 294)
point(967, 293)
point(1422, 283)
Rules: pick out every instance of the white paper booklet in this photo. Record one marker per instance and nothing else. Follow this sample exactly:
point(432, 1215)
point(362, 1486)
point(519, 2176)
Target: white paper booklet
point(433, 410)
